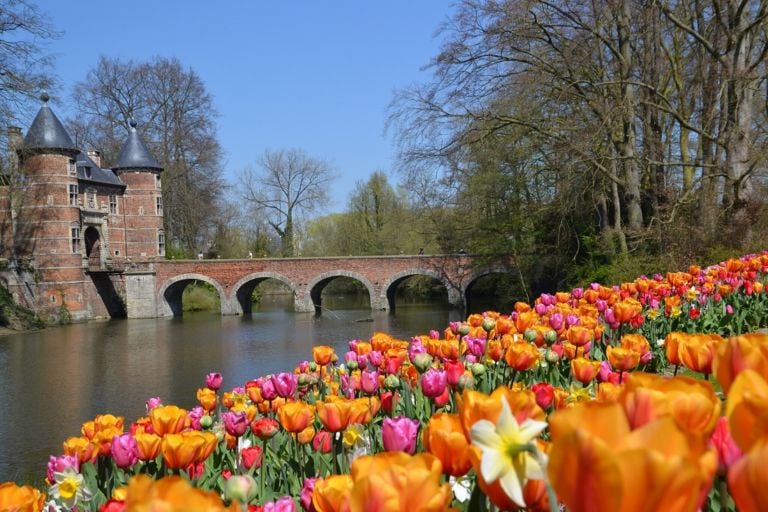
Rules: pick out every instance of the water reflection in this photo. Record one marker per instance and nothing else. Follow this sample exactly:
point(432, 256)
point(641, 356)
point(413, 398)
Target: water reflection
point(56, 379)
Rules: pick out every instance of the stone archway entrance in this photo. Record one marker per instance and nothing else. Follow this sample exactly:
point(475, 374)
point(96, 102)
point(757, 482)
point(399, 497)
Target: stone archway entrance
point(92, 247)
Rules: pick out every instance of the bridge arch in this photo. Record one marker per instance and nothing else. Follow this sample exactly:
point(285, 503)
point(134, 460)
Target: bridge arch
point(475, 276)
point(170, 293)
point(242, 289)
point(454, 293)
point(312, 300)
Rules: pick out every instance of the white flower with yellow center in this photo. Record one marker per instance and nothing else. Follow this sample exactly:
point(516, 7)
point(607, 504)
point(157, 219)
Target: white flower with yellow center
point(509, 452)
point(70, 488)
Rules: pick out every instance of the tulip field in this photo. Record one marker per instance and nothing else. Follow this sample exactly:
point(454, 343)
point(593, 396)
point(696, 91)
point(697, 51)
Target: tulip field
point(650, 395)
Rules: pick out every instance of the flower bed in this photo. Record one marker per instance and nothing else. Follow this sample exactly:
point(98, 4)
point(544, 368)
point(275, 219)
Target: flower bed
point(644, 396)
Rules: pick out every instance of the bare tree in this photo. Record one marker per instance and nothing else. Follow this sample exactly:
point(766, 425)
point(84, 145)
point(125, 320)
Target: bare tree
point(176, 116)
point(288, 185)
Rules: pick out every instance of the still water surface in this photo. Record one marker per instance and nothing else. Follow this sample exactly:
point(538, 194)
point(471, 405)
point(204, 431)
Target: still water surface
point(52, 381)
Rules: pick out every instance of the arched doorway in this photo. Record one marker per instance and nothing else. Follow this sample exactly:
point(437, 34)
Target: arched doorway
point(93, 247)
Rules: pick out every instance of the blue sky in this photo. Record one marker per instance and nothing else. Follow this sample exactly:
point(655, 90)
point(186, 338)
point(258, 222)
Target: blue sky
point(316, 75)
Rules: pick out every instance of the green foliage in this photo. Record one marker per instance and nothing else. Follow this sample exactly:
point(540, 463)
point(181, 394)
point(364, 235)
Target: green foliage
point(200, 296)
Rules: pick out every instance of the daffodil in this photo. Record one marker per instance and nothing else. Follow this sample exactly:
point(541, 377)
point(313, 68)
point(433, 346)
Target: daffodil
point(70, 488)
point(508, 451)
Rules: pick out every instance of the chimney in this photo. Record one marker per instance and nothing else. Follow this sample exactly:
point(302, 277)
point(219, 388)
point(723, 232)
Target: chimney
point(95, 155)
point(15, 144)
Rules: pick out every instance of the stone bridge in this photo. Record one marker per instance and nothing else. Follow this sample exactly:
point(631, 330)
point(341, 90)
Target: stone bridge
point(157, 289)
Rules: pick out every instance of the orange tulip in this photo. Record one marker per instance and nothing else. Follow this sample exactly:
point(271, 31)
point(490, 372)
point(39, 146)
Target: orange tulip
point(394, 481)
point(20, 498)
point(168, 419)
point(209, 444)
point(323, 354)
point(672, 346)
point(295, 416)
point(306, 435)
point(698, 352)
point(103, 439)
point(108, 422)
point(522, 356)
point(83, 447)
point(88, 429)
point(207, 398)
point(444, 438)
point(181, 450)
point(331, 494)
point(748, 480)
point(747, 409)
point(334, 414)
point(627, 309)
point(171, 493)
point(636, 342)
point(148, 444)
point(579, 335)
point(598, 464)
point(584, 370)
point(622, 359)
point(740, 353)
point(692, 403)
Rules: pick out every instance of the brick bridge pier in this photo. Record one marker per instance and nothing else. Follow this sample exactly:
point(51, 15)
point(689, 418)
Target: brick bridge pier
point(157, 289)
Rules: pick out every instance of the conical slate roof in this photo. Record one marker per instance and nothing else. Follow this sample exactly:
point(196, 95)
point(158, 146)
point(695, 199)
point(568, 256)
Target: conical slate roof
point(47, 132)
point(135, 154)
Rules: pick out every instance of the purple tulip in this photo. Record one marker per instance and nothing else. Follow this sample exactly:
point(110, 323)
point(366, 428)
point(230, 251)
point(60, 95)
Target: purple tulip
point(571, 319)
point(433, 382)
point(577, 293)
point(547, 299)
point(194, 417)
point(369, 382)
point(235, 423)
point(284, 383)
point(350, 355)
point(153, 402)
point(60, 464)
point(268, 391)
point(213, 381)
point(376, 358)
point(475, 345)
point(362, 361)
point(125, 451)
point(540, 308)
point(556, 321)
point(399, 434)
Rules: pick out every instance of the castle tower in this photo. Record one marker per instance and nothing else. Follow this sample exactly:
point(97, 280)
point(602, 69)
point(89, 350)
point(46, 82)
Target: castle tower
point(51, 212)
point(143, 199)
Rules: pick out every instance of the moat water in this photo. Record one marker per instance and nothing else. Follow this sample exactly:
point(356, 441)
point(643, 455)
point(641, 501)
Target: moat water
point(52, 381)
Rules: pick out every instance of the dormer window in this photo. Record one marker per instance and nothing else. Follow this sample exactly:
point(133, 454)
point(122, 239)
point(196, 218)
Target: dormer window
point(88, 172)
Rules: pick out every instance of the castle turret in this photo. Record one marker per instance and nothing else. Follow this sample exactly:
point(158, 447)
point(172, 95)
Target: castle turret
point(52, 210)
point(143, 200)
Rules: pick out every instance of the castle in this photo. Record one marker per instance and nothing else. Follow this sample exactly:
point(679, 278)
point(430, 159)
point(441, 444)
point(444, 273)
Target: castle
point(69, 228)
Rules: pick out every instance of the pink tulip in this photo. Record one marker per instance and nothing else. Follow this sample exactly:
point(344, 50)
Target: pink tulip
point(475, 345)
point(284, 504)
point(369, 382)
point(60, 464)
point(284, 383)
point(125, 451)
point(194, 417)
point(728, 451)
point(376, 358)
point(350, 355)
point(153, 402)
point(399, 434)
point(556, 321)
point(235, 423)
point(540, 309)
point(213, 381)
point(268, 391)
point(433, 334)
point(362, 361)
point(306, 494)
point(433, 382)
point(571, 319)
point(547, 299)
point(577, 293)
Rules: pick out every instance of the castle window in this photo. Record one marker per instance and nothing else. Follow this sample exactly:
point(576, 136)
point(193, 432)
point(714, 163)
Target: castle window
point(141, 210)
point(161, 243)
point(50, 200)
point(90, 197)
point(159, 205)
point(75, 239)
point(73, 194)
point(158, 181)
point(72, 167)
point(112, 203)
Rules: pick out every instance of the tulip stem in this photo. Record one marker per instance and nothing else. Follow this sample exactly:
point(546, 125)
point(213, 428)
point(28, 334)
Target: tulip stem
point(263, 469)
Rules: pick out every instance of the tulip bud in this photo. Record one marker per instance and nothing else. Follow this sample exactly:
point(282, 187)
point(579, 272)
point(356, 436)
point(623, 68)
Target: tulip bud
point(463, 330)
point(422, 362)
point(550, 337)
point(303, 380)
point(552, 356)
point(392, 382)
point(466, 382)
point(312, 366)
point(531, 335)
point(477, 369)
point(352, 365)
point(241, 488)
point(488, 324)
point(206, 421)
